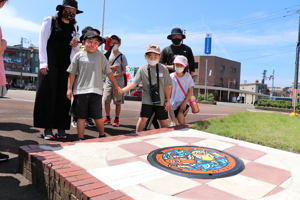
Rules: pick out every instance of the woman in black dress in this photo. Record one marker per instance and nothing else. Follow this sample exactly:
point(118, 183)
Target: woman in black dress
point(58, 41)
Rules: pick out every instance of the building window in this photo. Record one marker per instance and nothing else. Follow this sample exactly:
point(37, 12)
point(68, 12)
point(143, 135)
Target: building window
point(232, 69)
point(196, 65)
point(221, 82)
point(222, 68)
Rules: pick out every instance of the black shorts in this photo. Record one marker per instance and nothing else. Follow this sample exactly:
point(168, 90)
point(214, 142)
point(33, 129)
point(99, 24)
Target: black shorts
point(185, 111)
point(87, 106)
point(148, 110)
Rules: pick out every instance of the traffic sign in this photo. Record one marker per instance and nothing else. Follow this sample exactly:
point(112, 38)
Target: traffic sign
point(208, 40)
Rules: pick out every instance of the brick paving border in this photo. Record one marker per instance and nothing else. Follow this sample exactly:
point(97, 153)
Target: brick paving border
point(59, 179)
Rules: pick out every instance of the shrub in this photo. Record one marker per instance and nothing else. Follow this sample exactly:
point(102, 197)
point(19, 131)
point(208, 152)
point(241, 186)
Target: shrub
point(276, 103)
point(210, 97)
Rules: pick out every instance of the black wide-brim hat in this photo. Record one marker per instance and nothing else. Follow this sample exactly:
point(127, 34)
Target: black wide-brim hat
point(176, 31)
point(94, 33)
point(69, 4)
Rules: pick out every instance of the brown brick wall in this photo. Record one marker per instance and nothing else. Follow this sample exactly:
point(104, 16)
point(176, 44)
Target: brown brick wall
point(58, 179)
point(214, 64)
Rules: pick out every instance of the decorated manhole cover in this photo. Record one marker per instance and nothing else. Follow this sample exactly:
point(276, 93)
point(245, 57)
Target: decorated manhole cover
point(196, 162)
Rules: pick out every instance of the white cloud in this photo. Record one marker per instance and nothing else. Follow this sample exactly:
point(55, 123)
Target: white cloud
point(9, 18)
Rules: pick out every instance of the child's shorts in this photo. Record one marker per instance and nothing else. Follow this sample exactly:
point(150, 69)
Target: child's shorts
point(184, 112)
point(148, 110)
point(109, 94)
point(87, 106)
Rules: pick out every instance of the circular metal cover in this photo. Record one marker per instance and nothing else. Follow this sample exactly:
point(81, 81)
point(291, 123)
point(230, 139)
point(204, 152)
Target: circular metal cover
point(196, 162)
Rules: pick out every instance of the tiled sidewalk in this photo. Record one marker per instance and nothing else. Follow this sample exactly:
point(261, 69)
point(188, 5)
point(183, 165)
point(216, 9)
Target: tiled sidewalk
point(122, 166)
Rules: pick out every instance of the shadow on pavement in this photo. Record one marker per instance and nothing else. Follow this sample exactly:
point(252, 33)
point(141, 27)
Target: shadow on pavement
point(9, 167)
point(113, 131)
point(12, 145)
point(10, 173)
point(7, 126)
point(116, 131)
point(12, 189)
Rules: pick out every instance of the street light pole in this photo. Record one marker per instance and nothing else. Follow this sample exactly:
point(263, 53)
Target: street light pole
point(296, 71)
point(207, 51)
point(103, 19)
point(273, 77)
point(205, 84)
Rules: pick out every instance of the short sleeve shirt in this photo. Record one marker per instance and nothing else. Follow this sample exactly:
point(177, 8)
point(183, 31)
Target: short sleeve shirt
point(88, 69)
point(177, 96)
point(169, 53)
point(122, 62)
point(164, 80)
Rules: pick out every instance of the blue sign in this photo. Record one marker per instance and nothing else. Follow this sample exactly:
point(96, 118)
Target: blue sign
point(207, 49)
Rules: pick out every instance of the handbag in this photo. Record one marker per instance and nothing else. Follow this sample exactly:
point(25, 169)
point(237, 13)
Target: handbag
point(192, 101)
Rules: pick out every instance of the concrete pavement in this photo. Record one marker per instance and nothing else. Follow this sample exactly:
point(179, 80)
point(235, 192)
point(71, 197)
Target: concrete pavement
point(117, 168)
point(16, 130)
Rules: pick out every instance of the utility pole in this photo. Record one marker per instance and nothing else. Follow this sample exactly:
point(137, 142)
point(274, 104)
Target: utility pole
point(296, 72)
point(273, 77)
point(264, 77)
point(22, 59)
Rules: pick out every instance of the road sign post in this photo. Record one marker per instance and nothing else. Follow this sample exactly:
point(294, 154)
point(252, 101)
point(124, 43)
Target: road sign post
point(207, 51)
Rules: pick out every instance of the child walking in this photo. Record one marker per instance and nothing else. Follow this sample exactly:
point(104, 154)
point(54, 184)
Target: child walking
point(85, 83)
point(182, 90)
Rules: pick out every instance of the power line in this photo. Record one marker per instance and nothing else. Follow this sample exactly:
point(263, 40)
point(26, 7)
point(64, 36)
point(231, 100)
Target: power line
point(284, 13)
point(285, 10)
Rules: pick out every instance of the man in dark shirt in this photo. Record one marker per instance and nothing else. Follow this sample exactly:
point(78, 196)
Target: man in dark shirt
point(177, 48)
point(167, 57)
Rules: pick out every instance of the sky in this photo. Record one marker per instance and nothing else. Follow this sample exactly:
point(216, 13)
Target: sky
point(261, 34)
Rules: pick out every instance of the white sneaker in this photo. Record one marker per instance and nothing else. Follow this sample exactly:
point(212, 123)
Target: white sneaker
point(172, 124)
point(74, 124)
point(48, 135)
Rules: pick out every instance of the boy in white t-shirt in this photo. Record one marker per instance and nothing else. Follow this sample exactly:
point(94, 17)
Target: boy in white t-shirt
point(182, 90)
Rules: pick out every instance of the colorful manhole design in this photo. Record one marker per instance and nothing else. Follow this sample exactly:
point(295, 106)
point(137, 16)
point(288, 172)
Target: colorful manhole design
point(196, 162)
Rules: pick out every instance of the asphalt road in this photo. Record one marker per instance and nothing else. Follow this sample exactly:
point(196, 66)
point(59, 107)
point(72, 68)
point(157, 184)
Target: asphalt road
point(16, 130)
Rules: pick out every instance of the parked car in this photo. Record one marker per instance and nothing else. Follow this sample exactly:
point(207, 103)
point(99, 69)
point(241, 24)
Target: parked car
point(136, 93)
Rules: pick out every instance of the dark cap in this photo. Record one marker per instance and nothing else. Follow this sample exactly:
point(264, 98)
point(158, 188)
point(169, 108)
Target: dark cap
point(94, 33)
point(88, 28)
point(176, 31)
point(69, 4)
point(115, 37)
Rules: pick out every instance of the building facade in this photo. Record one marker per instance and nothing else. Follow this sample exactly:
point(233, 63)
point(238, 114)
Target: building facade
point(221, 72)
point(21, 66)
point(253, 87)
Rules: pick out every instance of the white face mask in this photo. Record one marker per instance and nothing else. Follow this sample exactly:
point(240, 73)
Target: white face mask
point(115, 47)
point(152, 62)
point(179, 69)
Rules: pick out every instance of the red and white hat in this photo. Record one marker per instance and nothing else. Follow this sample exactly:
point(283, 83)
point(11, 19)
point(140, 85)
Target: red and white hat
point(181, 60)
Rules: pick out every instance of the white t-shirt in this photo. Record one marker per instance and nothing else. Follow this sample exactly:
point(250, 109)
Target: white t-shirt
point(177, 96)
